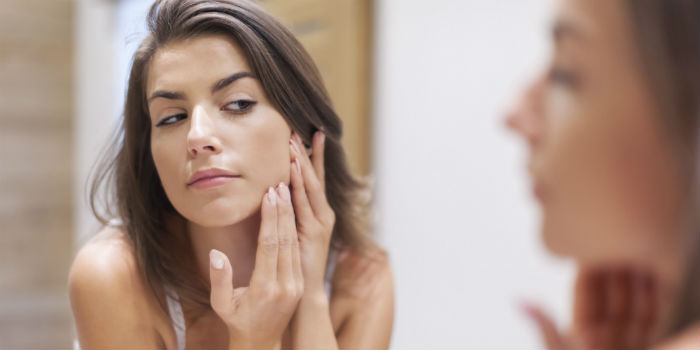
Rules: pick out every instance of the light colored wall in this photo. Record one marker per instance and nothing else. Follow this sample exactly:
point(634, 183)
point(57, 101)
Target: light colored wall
point(453, 200)
point(96, 112)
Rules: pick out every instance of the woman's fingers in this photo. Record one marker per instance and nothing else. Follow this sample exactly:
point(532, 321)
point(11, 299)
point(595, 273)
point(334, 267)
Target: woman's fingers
point(643, 306)
point(618, 306)
point(301, 202)
point(618, 290)
point(287, 233)
point(268, 241)
point(317, 157)
point(552, 338)
point(221, 277)
point(314, 189)
point(589, 297)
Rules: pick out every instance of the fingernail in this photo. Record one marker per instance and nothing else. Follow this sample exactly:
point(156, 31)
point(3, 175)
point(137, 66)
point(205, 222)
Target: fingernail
point(216, 259)
point(283, 191)
point(322, 137)
point(297, 166)
point(271, 196)
point(294, 147)
point(279, 190)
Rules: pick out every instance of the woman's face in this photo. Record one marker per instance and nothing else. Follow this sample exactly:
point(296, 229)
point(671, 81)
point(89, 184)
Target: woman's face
point(602, 170)
point(207, 111)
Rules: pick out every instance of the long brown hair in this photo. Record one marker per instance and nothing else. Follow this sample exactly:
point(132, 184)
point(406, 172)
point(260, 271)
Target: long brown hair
point(293, 85)
point(668, 38)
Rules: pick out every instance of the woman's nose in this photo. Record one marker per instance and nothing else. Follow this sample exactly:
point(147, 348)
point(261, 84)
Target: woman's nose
point(201, 137)
point(526, 117)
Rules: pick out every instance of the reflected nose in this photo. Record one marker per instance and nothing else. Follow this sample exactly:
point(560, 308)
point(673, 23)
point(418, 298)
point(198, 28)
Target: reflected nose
point(201, 138)
point(526, 117)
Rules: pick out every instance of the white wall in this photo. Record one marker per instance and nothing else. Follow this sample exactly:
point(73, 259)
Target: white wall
point(94, 103)
point(453, 199)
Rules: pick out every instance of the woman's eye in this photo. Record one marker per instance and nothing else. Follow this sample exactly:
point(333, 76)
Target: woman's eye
point(171, 119)
point(563, 77)
point(240, 106)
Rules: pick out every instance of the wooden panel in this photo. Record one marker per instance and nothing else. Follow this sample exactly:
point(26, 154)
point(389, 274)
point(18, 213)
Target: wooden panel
point(337, 34)
point(36, 58)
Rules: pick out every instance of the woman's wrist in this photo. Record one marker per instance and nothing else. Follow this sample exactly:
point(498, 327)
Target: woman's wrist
point(315, 297)
point(237, 343)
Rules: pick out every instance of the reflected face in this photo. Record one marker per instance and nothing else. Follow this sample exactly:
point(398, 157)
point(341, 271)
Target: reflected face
point(601, 168)
point(216, 140)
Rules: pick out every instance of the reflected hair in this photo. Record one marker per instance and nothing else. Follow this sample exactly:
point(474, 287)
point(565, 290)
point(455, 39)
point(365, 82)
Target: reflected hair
point(293, 85)
point(668, 38)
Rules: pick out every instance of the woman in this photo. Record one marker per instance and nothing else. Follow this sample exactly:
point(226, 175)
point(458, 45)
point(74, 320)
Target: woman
point(613, 133)
point(230, 234)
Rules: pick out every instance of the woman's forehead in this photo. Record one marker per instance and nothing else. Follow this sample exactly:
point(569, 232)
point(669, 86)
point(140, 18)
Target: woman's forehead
point(202, 59)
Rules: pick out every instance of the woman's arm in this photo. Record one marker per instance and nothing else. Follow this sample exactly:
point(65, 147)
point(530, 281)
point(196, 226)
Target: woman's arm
point(108, 299)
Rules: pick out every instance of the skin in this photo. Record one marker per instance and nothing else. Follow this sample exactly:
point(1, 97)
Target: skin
point(261, 238)
point(607, 180)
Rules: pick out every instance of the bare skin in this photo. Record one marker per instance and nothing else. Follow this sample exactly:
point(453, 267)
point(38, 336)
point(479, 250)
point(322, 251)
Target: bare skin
point(608, 182)
point(262, 236)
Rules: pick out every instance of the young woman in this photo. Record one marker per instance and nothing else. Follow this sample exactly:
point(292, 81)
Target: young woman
point(239, 224)
point(613, 132)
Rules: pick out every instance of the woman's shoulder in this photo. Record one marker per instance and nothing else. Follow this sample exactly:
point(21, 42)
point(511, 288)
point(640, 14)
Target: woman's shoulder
point(362, 299)
point(108, 294)
point(363, 275)
point(106, 260)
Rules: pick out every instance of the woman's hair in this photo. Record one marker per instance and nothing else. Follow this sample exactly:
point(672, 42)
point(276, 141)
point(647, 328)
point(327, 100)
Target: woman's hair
point(293, 85)
point(668, 38)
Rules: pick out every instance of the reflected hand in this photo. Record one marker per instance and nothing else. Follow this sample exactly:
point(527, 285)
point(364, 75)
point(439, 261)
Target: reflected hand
point(614, 308)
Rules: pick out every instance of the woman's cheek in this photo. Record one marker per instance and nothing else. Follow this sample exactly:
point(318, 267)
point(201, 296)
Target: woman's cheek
point(167, 169)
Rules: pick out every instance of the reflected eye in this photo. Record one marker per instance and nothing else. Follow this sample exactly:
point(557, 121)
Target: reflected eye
point(171, 119)
point(563, 77)
point(240, 106)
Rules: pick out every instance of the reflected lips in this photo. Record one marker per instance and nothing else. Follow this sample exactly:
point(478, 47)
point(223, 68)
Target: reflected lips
point(210, 178)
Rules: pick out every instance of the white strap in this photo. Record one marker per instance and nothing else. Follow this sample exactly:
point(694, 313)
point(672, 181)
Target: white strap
point(178, 318)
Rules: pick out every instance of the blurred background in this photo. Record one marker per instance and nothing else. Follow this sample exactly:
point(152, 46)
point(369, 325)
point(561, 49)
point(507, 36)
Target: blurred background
point(422, 88)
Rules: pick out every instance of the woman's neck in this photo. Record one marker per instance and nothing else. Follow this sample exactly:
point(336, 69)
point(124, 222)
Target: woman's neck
point(239, 242)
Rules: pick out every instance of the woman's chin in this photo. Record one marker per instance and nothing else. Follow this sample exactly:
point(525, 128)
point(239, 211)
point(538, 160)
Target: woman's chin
point(222, 216)
point(555, 240)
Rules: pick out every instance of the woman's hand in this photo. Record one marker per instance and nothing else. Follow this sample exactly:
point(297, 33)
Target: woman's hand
point(315, 218)
point(256, 316)
point(614, 308)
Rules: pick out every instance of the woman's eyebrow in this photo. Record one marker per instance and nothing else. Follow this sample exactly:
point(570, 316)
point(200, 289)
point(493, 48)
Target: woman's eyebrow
point(173, 95)
point(229, 80)
point(563, 29)
point(170, 95)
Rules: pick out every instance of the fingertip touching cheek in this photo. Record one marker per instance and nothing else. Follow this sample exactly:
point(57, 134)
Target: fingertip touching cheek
point(216, 141)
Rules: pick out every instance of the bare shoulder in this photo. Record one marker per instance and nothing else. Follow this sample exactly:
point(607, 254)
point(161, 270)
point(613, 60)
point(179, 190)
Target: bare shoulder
point(363, 276)
point(362, 303)
point(111, 302)
point(106, 260)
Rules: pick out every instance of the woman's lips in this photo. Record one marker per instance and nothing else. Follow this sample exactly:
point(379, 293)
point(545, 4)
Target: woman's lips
point(210, 178)
point(210, 182)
